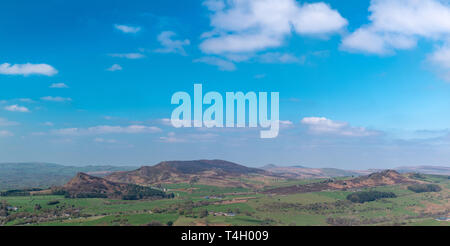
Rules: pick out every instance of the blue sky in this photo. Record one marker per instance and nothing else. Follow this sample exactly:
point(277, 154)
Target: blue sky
point(91, 82)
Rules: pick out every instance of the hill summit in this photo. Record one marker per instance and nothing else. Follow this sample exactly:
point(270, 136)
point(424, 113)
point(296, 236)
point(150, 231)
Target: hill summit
point(87, 186)
point(386, 177)
point(215, 172)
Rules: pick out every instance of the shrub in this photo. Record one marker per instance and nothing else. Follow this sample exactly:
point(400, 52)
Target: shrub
point(53, 202)
point(420, 188)
point(154, 223)
point(368, 196)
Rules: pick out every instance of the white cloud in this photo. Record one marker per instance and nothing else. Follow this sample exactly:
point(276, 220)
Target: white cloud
point(197, 137)
point(26, 100)
point(397, 24)
point(102, 140)
point(5, 122)
point(286, 123)
point(27, 69)
point(260, 76)
point(58, 85)
point(170, 45)
point(242, 26)
point(222, 64)
point(366, 41)
point(214, 5)
point(321, 125)
point(56, 99)
point(4, 133)
point(277, 57)
point(17, 108)
point(318, 18)
point(127, 29)
point(128, 55)
point(172, 138)
point(105, 129)
point(168, 122)
point(429, 18)
point(115, 67)
point(48, 123)
point(232, 43)
point(441, 57)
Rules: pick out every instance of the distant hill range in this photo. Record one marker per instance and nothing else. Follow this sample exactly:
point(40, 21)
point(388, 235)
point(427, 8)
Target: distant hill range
point(87, 186)
point(300, 172)
point(217, 172)
point(44, 175)
point(425, 170)
point(387, 177)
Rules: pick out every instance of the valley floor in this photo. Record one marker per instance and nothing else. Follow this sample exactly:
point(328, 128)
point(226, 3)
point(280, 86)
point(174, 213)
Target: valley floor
point(198, 205)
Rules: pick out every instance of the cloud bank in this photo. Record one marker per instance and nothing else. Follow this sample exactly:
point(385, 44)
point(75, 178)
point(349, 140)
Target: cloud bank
point(27, 69)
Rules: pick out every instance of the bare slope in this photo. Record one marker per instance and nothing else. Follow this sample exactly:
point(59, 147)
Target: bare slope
point(84, 185)
point(387, 177)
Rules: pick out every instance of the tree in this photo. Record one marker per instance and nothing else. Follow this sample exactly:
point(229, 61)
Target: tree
point(37, 207)
point(154, 223)
point(203, 213)
point(420, 188)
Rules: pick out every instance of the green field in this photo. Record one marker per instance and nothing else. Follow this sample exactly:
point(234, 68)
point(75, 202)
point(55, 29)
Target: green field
point(209, 205)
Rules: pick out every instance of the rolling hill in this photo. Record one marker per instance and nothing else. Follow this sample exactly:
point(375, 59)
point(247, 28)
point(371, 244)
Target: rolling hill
point(438, 170)
point(218, 172)
point(86, 186)
point(44, 175)
point(300, 172)
point(383, 178)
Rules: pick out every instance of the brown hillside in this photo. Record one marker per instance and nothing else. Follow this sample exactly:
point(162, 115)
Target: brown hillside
point(388, 177)
point(217, 172)
point(84, 185)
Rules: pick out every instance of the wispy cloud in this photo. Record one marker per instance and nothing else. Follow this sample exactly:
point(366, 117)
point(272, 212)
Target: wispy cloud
point(26, 100)
point(105, 129)
point(115, 67)
point(102, 140)
point(190, 137)
point(172, 138)
point(171, 45)
point(56, 99)
point(127, 28)
point(277, 57)
point(222, 64)
point(5, 122)
point(322, 125)
point(128, 55)
point(59, 85)
point(440, 58)
point(4, 133)
point(48, 123)
point(27, 69)
point(17, 108)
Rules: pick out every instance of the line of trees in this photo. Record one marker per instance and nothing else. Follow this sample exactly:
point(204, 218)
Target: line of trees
point(368, 196)
point(420, 188)
point(24, 192)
